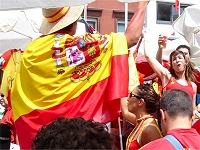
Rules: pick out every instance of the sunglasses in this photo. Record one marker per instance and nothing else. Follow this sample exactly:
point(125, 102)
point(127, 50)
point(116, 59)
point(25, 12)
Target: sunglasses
point(131, 95)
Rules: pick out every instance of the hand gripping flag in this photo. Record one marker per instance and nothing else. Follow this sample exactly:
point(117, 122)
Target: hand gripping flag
point(64, 76)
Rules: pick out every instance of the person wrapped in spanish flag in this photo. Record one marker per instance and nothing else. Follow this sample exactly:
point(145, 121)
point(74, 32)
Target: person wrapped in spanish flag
point(61, 75)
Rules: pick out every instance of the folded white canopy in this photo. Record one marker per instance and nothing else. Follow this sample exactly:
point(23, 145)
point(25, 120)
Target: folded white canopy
point(27, 4)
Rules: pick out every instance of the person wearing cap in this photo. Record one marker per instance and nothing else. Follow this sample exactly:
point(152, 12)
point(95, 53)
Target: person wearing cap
point(46, 85)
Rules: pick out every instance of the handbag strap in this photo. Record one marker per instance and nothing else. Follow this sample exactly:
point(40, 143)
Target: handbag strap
point(174, 142)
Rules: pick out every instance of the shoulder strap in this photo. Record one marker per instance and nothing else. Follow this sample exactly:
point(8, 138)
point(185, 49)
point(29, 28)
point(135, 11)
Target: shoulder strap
point(174, 142)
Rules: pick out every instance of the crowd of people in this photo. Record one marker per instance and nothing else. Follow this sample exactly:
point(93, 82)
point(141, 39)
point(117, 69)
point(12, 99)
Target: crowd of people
point(156, 122)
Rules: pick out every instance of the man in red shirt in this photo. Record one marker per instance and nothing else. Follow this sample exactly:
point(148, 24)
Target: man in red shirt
point(176, 120)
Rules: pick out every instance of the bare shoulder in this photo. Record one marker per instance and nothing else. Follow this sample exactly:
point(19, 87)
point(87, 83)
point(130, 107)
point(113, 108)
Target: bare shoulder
point(151, 129)
point(194, 86)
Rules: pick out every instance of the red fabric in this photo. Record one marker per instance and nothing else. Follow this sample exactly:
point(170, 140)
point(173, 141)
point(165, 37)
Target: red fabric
point(9, 120)
point(144, 68)
point(176, 5)
point(172, 84)
point(197, 81)
point(134, 145)
point(6, 56)
point(196, 126)
point(101, 105)
point(189, 138)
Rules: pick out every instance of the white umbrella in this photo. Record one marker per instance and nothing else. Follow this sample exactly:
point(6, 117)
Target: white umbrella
point(19, 28)
point(188, 25)
point(27, 4)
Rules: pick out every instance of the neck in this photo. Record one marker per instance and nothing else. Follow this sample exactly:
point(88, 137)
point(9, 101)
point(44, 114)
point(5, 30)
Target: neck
point(180, 122)
point(143, 116)
point(180, 75)
point(63, 31)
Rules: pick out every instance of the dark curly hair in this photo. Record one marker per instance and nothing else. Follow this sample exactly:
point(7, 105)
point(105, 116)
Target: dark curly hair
point(73, 133)
point(150, 97)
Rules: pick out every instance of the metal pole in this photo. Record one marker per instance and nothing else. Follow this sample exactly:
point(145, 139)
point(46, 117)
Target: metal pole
point(179, 8)
point(85, 12)
point(120, 133)
point(126, 15)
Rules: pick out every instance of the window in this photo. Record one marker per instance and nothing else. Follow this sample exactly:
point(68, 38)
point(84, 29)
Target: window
point(166, 13)
point(93, 23)
point(121, 26)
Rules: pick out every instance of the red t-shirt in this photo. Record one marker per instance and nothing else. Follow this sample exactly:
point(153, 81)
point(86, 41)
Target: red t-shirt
point(196, 126)
point(189, 138)
point(172, 84)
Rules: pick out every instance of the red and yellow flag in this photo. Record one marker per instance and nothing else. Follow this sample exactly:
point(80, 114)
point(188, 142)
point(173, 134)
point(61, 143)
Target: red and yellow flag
point(64, 76)
point(10, 63)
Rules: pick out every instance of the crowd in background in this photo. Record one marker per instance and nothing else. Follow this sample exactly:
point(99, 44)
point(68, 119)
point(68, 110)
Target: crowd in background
point(152, 119)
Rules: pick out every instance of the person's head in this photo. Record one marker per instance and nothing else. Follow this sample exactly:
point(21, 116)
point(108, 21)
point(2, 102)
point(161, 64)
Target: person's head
point(179, 64)
point(56, 19)
point(3, 100)
point(175, 104)
point(5, 136)
point(73, 133)
point(143, 98)
point(185, 49)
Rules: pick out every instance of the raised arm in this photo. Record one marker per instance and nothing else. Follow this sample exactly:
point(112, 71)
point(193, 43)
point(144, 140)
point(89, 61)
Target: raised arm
point(161, 71)
point(134, 29)
point(130, 117)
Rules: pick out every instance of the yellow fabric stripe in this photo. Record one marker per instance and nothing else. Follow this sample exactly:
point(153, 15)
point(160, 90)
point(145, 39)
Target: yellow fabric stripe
point(10, 71)
point(58, 15)
point(38, 85)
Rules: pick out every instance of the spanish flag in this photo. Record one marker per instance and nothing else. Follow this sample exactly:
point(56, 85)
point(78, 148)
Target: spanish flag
point(64, 76)
point(10, 63)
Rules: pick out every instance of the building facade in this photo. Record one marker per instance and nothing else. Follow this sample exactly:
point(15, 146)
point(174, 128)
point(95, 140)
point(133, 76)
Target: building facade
point(109, 15)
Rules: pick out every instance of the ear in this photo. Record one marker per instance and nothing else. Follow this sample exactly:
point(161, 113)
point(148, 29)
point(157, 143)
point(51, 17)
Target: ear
point(163, 116)
point(141, 102)
point(193, 116)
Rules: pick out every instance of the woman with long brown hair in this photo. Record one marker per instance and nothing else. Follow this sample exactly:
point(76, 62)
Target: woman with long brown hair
point(180, 75)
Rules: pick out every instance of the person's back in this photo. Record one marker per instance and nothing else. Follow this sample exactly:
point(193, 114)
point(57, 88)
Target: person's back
point(176, 119)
